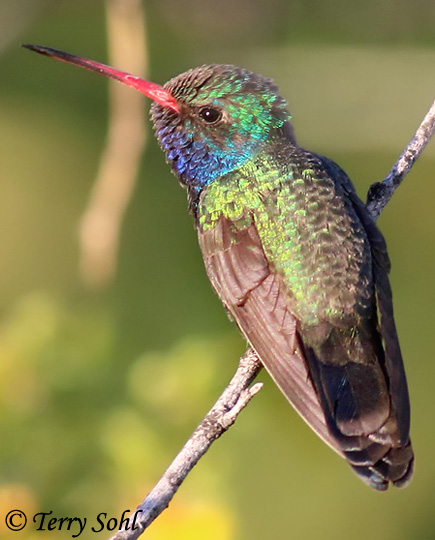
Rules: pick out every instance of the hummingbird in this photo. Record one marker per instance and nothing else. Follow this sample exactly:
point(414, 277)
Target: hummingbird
point(293, 254)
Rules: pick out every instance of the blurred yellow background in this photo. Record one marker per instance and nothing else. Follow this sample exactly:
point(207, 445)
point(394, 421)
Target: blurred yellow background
point(101, 386)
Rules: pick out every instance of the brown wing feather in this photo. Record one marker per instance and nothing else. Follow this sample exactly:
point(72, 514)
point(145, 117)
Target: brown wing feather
point(237, 267)
point(259, 302)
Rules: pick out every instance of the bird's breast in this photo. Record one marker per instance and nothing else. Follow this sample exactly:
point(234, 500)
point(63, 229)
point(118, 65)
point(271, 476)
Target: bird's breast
point(308, 233)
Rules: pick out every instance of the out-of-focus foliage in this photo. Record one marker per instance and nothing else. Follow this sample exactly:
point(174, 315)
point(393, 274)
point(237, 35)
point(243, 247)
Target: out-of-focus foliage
point(99, 391)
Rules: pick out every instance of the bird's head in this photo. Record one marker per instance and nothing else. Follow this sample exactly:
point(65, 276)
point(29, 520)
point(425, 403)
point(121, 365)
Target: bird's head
point(224, 116)
point(209, 120)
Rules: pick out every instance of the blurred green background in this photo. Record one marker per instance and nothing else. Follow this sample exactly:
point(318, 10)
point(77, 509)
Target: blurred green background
point(99, 389)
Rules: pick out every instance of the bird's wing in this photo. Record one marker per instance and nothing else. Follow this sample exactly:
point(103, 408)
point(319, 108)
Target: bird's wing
point(390, 456)
point(398, 388)
point(239, 272)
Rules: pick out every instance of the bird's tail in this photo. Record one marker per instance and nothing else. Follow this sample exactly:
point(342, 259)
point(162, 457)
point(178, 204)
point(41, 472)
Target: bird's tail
point(358, 394)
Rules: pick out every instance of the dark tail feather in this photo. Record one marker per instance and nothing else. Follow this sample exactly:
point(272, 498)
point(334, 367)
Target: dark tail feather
point(396, 467)
point(360, 416)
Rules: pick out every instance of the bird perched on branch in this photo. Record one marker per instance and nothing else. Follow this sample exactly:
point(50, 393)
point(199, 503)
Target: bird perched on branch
point(293, 254)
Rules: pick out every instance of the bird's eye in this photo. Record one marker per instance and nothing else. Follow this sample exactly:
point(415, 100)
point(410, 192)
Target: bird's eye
point(210, 115)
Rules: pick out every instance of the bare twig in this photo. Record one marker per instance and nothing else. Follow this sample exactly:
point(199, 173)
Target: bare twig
point(101, 222)
point(239, 392)
point(381, 192)
point(223, 414)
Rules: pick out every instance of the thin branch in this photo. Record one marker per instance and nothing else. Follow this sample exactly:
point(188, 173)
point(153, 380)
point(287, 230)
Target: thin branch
point(239, 392)
point(381, 192)
point(233, 400)
point(116, 178)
